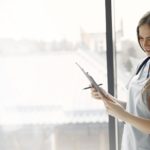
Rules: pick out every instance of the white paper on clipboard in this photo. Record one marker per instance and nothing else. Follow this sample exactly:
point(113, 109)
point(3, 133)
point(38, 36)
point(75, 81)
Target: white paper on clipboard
point(92, 81)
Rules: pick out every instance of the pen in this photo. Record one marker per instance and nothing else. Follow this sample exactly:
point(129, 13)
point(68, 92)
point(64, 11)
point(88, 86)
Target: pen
point(90, 87)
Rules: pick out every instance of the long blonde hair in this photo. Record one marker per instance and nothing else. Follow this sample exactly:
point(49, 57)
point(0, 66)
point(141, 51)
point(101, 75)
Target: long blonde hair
point(145, 20)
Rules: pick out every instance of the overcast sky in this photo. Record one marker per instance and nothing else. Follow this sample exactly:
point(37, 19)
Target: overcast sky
point(54, 19)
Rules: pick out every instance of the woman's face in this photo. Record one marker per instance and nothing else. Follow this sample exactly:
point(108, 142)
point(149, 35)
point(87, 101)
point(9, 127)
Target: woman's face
point(144, 38)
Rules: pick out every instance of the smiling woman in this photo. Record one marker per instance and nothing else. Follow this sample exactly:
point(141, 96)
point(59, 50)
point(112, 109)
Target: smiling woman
point(144, 37)
point(137, 113)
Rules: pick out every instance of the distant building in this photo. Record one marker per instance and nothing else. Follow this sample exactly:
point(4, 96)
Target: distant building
point(96, 41)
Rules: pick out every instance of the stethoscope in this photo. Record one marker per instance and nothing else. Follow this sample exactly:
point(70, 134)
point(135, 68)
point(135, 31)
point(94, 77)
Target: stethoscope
point(143, 64)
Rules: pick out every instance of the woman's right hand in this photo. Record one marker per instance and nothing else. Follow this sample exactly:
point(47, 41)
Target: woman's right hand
point(95, 94)
point(115, 109)
point(104, 96)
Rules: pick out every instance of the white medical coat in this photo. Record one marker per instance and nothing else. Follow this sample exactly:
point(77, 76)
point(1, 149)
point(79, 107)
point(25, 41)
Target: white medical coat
point(134, 139)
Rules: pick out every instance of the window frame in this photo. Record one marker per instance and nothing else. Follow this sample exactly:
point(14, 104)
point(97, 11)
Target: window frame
point(111, 69)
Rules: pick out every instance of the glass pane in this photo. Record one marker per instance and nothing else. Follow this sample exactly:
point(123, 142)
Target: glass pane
point(127, 49)
point(43, 105)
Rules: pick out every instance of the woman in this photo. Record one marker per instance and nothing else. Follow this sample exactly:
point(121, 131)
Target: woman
point(136, 135)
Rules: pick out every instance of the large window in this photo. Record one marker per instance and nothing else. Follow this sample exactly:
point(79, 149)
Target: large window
point(43, 105)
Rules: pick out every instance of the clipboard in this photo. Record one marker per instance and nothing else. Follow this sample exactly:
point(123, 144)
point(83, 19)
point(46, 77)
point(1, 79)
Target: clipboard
point(93, 82)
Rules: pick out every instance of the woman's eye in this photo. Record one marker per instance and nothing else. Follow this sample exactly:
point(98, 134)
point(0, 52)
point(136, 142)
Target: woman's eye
point(140, 38)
